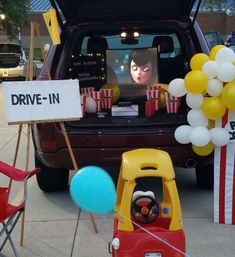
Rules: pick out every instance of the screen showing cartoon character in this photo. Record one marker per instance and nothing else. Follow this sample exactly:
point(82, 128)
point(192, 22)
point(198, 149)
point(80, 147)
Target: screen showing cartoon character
point(133, 70)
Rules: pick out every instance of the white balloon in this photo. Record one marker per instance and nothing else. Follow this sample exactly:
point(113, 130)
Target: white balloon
point(200, 136)
point(182, 134)
point(194, 101)
point(196, 118)
point(219, 136)
point(90, 105)
point(214, 87)
point(177, 88)
point(210, 69)
point(226, 72)
point(225, 54)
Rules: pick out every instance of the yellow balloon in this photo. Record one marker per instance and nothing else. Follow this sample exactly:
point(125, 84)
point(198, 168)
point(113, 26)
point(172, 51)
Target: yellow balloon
point(211, 124)
point(228, 95)
point(204, 150)
point(214, 51)
point(163, 89)
point(213, 108)
point(116, 91)
point(196, 81)
point(198, 60)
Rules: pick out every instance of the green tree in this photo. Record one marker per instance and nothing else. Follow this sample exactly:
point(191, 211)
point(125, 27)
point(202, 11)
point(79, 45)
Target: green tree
point(227, 6)
point(16, 16)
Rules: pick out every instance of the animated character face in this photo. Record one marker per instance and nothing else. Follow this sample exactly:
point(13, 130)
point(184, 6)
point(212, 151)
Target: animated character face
point(141, 74)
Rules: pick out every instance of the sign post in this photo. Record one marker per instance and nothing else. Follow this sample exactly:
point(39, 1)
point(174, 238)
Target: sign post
point(224, 174)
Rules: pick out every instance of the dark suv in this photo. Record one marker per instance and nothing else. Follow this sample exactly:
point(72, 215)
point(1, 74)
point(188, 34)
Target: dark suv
point(97, 40)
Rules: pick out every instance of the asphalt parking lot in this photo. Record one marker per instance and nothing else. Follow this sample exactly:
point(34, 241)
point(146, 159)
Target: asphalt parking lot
point(52, 228)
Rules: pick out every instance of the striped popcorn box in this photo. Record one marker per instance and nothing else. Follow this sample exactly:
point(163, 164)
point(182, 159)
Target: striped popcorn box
point(83, 104)
point(154, 95)
point(153, 87)
point(107, 97)
point(224, 174)
point(87, 90)
point(97, 96)
point(172, 103)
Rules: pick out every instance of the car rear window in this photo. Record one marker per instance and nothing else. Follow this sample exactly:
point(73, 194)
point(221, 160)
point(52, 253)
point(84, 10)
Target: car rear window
point(10, 48)
point(106, 59)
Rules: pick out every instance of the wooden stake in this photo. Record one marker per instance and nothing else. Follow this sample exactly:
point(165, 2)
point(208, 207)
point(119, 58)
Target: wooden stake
point(16, 150)
point(64, 132)
point(26, 168)
point(43, 54)
point(29, 76)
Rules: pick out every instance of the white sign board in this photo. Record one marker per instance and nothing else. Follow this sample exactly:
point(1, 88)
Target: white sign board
point(29, 101)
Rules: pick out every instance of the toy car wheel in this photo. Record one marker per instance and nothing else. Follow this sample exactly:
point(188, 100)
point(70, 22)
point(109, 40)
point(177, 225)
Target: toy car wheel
point(51, 179)
point(205, 176)
point(145, 209)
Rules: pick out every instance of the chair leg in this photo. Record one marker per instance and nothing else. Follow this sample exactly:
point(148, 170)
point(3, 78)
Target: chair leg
point(14, 219)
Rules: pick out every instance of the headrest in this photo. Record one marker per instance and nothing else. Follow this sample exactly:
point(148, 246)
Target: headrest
point(97, 45)
point(164, 44)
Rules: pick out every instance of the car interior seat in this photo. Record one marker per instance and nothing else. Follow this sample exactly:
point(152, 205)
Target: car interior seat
point(170, 66)
point(100, 45)
point(97, 45)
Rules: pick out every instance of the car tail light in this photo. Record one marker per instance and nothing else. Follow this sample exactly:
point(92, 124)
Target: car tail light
point(48, 145)
point(22, 62)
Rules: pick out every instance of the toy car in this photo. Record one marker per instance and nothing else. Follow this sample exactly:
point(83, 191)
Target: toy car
point(143, 226)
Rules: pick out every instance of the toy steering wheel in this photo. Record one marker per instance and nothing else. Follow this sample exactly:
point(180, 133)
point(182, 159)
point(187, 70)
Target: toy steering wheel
point(145, 209)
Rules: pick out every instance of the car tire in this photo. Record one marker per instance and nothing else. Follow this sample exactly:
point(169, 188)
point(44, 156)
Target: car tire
point(51, 179)
point(205, 176)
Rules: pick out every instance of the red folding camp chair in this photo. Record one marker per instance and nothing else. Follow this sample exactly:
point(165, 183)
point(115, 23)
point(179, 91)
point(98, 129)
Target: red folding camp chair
point(10, 213)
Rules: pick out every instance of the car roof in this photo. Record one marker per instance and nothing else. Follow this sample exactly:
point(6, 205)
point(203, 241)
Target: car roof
point(75, 11)
point(9, 43)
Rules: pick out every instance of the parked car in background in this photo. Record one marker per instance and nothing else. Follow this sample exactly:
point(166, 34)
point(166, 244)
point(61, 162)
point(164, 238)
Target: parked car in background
point(213, 38)
point(230, 39)
point(97, 40)
point(232, 46)
point(13, 62)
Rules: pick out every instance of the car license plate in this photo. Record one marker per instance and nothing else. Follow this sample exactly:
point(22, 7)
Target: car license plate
point(153, 255)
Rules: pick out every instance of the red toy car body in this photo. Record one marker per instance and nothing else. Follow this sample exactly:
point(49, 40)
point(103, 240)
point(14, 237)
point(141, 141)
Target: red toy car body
point(152, 229)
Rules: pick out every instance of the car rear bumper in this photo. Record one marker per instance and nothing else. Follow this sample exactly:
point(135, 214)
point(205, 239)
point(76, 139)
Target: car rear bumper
point(180, 154)
point(17, 72)
point(105, 146)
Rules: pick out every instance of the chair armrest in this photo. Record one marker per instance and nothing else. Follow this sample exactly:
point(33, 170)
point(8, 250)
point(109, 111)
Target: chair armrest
point(16, 174)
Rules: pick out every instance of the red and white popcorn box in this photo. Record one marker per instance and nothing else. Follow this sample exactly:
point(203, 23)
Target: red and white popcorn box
point(97, 96)
point(154, 95)
point(154, 87)
point(87, 90)
point(224, 173)
point(172, 103)
point(107, 98)
point(83, 104)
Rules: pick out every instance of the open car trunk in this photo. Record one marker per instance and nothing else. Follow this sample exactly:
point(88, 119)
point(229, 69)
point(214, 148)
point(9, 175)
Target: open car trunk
point(102, 63)
point(77, 11)
point(105, 66)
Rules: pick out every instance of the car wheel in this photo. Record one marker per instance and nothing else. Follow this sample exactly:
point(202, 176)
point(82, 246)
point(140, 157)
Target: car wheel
point(51, 179)
point(205, 176)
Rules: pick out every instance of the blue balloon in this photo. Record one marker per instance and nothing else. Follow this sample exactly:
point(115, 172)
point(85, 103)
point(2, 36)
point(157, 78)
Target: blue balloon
point(93, 190)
